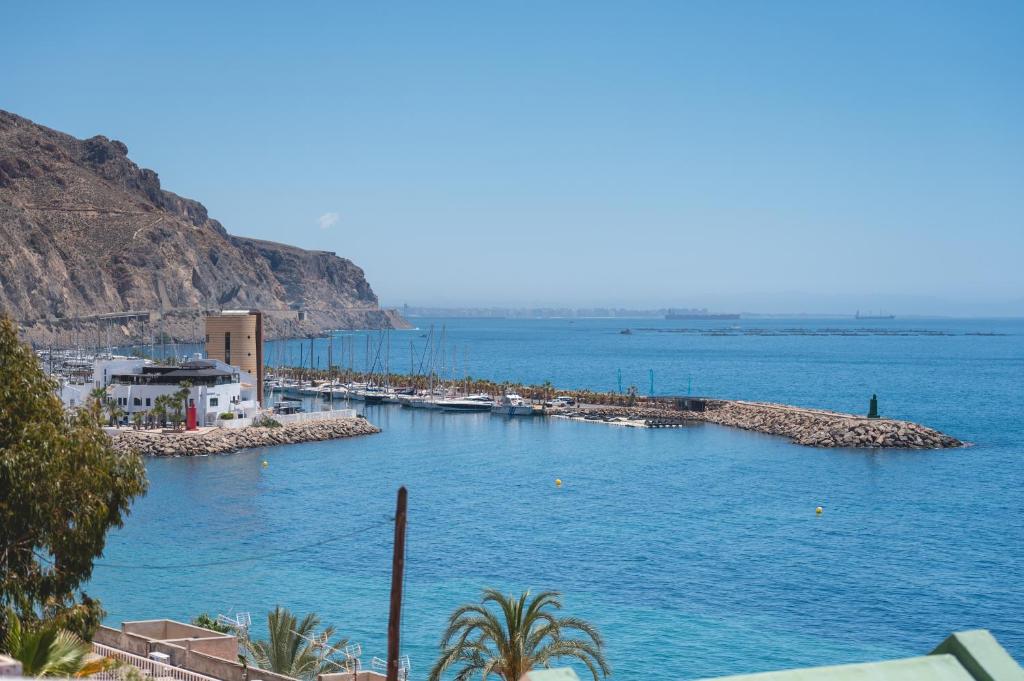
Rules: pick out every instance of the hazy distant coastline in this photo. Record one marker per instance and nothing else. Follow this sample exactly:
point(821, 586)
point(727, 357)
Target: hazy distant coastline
point(413, 311)
point(546, 312)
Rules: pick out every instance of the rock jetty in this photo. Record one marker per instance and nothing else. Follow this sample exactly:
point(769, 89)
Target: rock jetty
point(223, 440)
point(819, 428)
point(808, 427)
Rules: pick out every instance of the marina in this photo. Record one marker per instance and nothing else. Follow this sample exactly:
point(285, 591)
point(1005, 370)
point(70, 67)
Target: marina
point(660, 475)
point(292, 390)
point(714, 526)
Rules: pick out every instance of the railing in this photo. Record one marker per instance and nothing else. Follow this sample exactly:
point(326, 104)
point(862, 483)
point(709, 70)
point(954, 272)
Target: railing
point(234, 423)
point(303, 417)
point(306, 417)
point(151, 668)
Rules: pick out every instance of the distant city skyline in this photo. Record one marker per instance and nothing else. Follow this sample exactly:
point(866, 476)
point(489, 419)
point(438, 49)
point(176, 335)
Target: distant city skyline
point(742, 156)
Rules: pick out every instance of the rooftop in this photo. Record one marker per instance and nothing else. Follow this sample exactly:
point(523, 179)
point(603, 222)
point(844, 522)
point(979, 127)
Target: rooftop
point(963, 656)
point(199, 370)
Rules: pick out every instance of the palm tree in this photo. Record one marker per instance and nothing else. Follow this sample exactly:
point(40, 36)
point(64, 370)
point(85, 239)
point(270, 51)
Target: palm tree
point(478, 641)
point(114, 412)
point(206, 622)
point(160, 409)
point(293, 647)
point(100, 397)
point(49, 650)
point(181, 396)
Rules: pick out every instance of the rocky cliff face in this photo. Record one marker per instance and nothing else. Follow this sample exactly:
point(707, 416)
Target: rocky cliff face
point(84, 231)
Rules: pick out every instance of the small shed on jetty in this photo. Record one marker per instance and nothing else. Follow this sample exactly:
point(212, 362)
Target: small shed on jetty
point(682, 402)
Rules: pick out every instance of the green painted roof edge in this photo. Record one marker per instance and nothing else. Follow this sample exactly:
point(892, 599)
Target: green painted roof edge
point(923, 668)
point(981, 655)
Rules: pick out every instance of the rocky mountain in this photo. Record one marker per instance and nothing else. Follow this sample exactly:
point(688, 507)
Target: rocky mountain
point(85, 232)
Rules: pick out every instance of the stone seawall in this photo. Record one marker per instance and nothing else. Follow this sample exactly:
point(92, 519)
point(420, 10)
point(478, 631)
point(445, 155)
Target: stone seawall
point(808, 427)
point(223, 440)
point(818, 428)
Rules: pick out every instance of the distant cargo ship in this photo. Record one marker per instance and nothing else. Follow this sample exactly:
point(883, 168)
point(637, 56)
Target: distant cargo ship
point(698, 314)
point(873, 316)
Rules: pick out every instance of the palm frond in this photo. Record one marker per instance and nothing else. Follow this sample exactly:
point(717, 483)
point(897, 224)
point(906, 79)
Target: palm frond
point(288, 649)
point(507, 636)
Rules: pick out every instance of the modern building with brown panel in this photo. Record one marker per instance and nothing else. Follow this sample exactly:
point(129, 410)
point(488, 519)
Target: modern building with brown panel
point(235, 337)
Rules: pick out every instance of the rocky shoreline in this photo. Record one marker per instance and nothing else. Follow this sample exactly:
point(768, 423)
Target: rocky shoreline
point(808, 427)
point(224, 440)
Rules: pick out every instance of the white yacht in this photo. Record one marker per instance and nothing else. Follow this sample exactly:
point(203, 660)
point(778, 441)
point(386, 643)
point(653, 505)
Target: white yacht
point(333, 391)
point(469, 403)
point(512, 405)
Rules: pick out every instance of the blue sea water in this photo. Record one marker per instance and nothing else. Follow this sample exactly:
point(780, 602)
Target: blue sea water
point(696, 551)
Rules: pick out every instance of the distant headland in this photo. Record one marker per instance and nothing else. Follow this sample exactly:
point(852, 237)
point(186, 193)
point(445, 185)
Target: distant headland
point(93, 245)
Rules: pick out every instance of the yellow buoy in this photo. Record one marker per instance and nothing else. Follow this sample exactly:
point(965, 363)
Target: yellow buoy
point(819, 510)
point(265, 464)
point(558, 482)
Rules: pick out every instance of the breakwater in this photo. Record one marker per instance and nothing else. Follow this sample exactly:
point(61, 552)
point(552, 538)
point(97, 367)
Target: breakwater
point(808, 427)
point(803, 426)
point(224, 440)
point(819, 428)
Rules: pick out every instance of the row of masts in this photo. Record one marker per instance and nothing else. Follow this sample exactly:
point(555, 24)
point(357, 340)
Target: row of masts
point(437, 359)
point(431, 361)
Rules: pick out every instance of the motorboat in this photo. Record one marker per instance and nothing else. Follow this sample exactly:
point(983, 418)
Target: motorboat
point(372, 394)
point(512, 405)
point(333, 391)
point(469, 403)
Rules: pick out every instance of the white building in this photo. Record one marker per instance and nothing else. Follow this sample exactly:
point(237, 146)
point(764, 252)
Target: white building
point(73, 394)
point(216, 387)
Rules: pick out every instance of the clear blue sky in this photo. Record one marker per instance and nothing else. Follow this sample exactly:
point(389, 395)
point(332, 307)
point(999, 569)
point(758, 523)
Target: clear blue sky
point(755, 156)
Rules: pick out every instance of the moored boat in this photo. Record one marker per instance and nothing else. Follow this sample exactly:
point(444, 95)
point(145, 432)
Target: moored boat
point(512, 405)
point(469, 403)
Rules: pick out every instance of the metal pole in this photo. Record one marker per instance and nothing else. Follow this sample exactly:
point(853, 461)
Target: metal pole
point(397, 569)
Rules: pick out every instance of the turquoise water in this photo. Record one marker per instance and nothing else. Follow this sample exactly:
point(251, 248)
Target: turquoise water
point(696, 551)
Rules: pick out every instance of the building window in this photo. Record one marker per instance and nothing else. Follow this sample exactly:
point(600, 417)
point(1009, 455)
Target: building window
point(214, 401)
point(227, 347)
point(147, 402)
point(137, 401)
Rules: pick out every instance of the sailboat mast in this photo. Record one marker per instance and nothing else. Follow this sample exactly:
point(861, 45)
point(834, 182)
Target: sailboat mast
point(387, 357)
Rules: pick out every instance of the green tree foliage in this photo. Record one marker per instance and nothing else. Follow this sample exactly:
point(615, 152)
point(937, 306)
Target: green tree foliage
point(160, 409)
point(62, 487)
point(289, 650)
point(206, 622)
point(48, 650)
point(515, 636)
point(179, 402)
